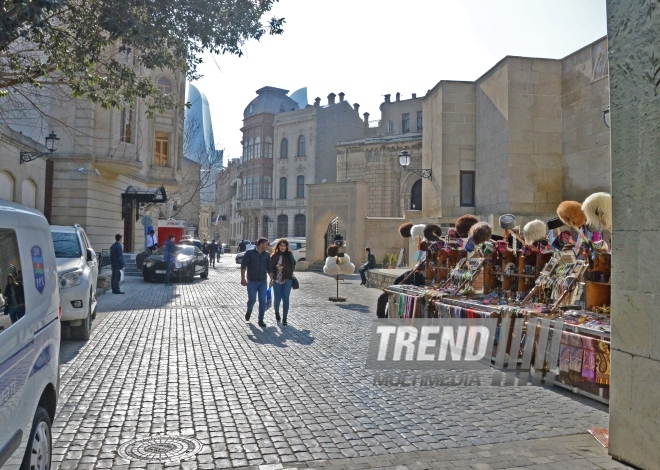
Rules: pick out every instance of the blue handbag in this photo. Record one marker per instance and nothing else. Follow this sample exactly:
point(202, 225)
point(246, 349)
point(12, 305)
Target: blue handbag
point(269, 298)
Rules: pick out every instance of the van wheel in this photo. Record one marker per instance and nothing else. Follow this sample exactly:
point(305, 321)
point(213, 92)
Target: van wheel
point(205, 274)
point(83, 331)
point(302, 259)
point(39, 446)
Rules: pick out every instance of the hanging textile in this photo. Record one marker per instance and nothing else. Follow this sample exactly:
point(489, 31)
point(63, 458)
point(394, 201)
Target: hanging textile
point(589, 361)
point(602, 362)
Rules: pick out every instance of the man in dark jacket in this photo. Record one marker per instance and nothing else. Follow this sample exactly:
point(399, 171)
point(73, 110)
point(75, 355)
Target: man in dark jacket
point(241, 246)
point(116, 263)
point(213, 252)
point(370, 264)
point(256, 262)
point(169, 256)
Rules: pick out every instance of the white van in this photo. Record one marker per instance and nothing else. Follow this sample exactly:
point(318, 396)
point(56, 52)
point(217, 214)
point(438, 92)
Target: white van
point(29, 338)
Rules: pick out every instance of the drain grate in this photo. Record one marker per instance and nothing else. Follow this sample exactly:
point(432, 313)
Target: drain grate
point(161, 449)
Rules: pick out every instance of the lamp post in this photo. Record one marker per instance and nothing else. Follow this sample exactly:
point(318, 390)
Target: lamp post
point(404, 161)
point(51, 145)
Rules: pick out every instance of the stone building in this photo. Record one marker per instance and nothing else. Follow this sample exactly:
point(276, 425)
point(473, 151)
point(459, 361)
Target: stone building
point(227, 222)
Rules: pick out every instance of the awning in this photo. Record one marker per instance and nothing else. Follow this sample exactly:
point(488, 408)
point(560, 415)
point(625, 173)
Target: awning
point(149, 195)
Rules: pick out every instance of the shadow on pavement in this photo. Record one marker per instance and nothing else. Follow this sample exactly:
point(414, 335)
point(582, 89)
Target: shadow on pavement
point(279, 335)
point(354, 307)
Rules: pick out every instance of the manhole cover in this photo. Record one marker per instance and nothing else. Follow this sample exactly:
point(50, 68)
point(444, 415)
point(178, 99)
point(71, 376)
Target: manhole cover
point(161, 449)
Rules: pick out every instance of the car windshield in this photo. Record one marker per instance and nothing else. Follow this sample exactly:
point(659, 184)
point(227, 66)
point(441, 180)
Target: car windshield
point(66, 245)
point(186, 250)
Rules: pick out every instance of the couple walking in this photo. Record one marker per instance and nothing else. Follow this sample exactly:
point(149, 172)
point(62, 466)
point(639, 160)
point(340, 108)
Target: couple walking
point(260, 265)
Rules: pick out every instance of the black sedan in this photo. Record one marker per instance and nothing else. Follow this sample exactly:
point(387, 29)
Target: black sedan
point(190, 261)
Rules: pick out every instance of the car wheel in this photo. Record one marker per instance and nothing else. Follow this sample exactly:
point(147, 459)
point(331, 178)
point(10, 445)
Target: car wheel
point(205, 274)
point(190, 277)
point(83, 331)
point(39, 446)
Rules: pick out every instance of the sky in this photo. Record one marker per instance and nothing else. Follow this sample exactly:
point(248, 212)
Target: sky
point(370, 48)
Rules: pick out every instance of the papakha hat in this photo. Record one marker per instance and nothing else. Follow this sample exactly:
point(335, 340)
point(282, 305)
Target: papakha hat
point(507, 221)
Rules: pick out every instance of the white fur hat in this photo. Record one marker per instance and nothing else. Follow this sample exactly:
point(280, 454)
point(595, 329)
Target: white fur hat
point(418, 230)
point(535, 231)
point(331, 267)
point(598, 209)
point(347, 268)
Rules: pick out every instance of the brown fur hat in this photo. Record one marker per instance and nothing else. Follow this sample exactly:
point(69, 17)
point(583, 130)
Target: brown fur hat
point(481, 233)
point(570, 212)
point(464, 223)
point(404, 229)
point(432, 232)
point(333, 250)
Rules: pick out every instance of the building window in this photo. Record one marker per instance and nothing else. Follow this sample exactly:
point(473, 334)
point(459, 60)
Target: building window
point(126, 125)
point(161, 149)
point(419, 121)
point(405, 123)
point(244, 156)
point(164, 85)
point(268, 148)
point(250, 149)
point(301, 146)
point(282, 226)
point(257, 147)
point(282, 188)
point(264, 226)
point(284, 149)
point(467, 188)
point(416, 196)
point(29, 193)
point(300, 187)
point(299, 225)
point(390, 127)
point(267, 187)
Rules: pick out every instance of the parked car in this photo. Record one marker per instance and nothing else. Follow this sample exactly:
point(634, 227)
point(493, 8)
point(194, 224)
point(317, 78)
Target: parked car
point(190, 262)
point(297, 245)
point(30, 344)
point(191, 242)
point(78, 271)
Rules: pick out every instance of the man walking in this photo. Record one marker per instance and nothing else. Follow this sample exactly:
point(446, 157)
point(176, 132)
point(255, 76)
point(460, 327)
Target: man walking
point(213, 252)
point(116, 264)
point(169, 256)
point(370, 264)
point(152, 241)
point(241, 246)
point(256, 263)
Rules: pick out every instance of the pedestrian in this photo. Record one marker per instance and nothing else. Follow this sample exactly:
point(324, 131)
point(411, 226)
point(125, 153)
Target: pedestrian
point(282, 265)
point(152, 241)
point(205, 247)
point(370, 264)
point(219, 250)
point(14, 299)
point(241, 246)
point(169, 256)
point(117, 264)
point(256, 262)
point(213, 252)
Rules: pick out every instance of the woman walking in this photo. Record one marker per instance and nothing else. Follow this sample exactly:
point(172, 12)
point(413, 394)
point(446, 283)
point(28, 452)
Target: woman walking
point(282, 264)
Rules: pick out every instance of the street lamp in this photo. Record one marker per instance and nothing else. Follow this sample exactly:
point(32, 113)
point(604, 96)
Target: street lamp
point(404, 161)
point(51, 146)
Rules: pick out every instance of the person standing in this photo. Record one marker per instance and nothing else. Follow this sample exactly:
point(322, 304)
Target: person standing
point(13, 300)
point(169, 256)
point(282, 265)
point(256, 262)
point(213, 252)
point(241, 246)
point(219, 249)
point(117, 264)
point(370, 264)
point(152, 241)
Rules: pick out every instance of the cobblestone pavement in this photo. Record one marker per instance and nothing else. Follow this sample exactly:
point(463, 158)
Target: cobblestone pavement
point(181, 361)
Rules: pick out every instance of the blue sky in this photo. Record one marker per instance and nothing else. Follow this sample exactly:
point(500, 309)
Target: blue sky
point(369, 48)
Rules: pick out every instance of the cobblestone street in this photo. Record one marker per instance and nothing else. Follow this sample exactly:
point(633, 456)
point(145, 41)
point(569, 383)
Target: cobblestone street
point(181, 361)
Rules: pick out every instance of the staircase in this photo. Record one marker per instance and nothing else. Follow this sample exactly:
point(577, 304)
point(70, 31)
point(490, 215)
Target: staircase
point(316, 267)
point(130, 268)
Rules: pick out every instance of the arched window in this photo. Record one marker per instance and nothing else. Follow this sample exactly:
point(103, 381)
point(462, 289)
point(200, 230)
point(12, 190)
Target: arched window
point(6, 186)
point(257, 147)
point(282, 226)
point(282, 188)
point(416, 196)
point(268, 148)
point(284, 149)
point(300, 187)
point(264, 227)
point(301, 146)
point(29, 193)
point(299, 225)
point(164, 85)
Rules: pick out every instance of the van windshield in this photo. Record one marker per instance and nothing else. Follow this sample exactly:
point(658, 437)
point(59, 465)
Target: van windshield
point(66, 245)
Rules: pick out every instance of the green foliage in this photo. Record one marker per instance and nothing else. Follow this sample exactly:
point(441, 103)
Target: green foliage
point(97, 47)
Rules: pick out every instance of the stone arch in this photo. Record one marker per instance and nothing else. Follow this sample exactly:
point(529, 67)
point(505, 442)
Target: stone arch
point(319, 231)
point(29, 193)
point(7, 183)
point(407, 182)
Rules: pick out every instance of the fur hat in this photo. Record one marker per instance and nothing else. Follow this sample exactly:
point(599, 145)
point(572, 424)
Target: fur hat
point(570, 212)
point(423, 245)
point(333, 250)
point(417, 230)
point(404, 229)
point(464, 223)
point(507, 221)
point(598, 210)
point(534, 231)
point(331, 268)
point(432, 232)
point(480, 233)
point(347, 268)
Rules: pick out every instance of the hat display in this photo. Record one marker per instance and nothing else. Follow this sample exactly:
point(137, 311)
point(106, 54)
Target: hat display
point(481, 232)
point(555, 223)
point(487, 248)
point(507, 221)
point(417, 230)
point(432, 232)
point(597, 209)
point(404, 229)
point(534, 231)
point(464, 223)
point(331, 267)
point(570, 212)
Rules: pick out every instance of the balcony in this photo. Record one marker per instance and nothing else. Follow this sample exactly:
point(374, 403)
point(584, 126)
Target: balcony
point(290, 202)
point(254, 204)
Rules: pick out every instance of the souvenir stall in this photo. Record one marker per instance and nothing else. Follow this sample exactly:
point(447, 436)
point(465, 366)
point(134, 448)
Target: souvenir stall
point(557, 271)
